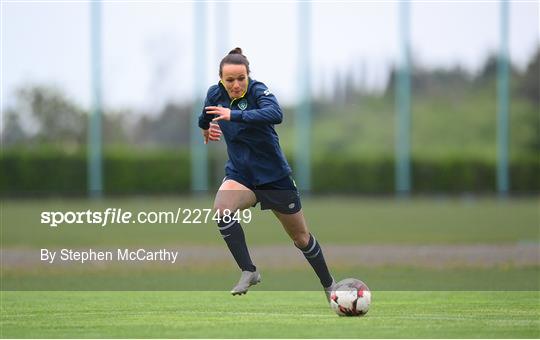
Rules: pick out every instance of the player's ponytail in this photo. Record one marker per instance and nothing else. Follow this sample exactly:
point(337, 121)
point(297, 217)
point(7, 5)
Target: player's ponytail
point(235, 57)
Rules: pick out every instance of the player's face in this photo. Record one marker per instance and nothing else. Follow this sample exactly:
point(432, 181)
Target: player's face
point(235, 79)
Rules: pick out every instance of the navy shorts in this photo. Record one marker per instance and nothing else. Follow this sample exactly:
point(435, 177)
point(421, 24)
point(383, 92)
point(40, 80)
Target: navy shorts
point(281, 195)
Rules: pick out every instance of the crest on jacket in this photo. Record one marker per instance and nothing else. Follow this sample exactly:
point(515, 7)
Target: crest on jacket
point(242, 105)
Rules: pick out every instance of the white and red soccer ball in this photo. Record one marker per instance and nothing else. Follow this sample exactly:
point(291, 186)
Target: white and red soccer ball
point(350, 297)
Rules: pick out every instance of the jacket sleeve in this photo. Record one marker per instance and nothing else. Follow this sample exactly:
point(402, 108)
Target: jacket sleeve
point(268, 112)
point(205, 119)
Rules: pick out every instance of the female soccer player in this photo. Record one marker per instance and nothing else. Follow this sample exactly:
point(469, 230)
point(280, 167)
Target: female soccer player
point(245, 111)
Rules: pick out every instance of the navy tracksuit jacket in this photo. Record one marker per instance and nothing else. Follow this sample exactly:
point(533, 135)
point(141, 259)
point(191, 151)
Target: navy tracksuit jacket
point(252, 142)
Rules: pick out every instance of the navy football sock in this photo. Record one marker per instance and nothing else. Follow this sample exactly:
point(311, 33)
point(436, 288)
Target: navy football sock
point(315, 257)
point(233, 235)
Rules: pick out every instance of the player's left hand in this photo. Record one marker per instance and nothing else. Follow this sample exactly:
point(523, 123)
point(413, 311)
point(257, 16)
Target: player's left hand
point(222, 112)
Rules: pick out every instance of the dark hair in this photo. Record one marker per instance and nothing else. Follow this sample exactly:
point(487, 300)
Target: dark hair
point(234, 57)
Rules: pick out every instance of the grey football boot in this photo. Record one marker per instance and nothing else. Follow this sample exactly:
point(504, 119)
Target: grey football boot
point(328, 290)
point(247, 279)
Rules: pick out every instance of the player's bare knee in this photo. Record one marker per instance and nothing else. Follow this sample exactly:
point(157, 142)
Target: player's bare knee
point(301, 240)
point(224, 208)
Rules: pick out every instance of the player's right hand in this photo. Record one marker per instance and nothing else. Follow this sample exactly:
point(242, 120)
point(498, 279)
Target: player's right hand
point(212, 134)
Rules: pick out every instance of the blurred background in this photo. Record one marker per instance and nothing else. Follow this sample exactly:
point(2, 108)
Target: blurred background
point(435, 101)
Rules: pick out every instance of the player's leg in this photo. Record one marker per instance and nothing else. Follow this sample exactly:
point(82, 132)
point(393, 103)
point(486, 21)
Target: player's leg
point(295, 225)
point(231, 197)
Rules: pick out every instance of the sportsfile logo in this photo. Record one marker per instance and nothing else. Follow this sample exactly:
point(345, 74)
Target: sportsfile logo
point(121, 216)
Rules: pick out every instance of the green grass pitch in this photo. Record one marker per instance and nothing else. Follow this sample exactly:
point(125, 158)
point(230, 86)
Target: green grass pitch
point(409, 301)
point(337, 220)
point(264, 314)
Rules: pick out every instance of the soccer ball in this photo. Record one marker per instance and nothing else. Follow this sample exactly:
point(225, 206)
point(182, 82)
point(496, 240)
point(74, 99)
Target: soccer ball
point(350, 297)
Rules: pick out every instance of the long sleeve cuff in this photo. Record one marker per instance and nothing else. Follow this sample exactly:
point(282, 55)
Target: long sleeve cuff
point(236, 116)
point(204, 125)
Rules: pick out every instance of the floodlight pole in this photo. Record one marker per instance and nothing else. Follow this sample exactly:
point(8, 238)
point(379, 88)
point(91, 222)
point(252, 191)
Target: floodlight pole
point(403, 107)
point(222, 29)
point(223, 47)
point(199, 151)
point(303, 115)
point(94, 144)
point(503, 181)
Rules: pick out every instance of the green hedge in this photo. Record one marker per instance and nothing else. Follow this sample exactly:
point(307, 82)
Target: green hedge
point(48, 172)
point(443, 175)
point(53, 172)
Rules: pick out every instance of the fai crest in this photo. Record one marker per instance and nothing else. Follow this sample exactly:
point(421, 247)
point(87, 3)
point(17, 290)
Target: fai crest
point(242, 105)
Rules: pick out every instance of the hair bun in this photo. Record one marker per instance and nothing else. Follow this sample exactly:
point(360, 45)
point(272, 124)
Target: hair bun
point(237, 50)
